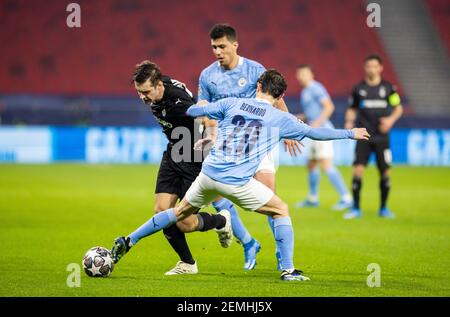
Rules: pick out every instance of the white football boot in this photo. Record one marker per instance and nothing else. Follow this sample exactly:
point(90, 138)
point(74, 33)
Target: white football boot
point(226, 233)
point(183, 268)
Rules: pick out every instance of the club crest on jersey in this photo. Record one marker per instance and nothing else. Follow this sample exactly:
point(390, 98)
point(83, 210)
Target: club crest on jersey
point(242, 81)
point(362, 92)
point(382, 92)
point(163, 112)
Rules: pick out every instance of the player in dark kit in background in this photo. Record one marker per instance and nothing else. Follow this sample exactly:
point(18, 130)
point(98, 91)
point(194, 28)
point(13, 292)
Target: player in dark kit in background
point(169, 100)
point(375, 105)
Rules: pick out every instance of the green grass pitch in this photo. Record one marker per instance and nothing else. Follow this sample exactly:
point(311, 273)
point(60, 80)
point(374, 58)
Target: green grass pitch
point(51, 214)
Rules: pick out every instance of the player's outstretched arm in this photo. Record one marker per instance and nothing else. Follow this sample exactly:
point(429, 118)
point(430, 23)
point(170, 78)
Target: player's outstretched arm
point(196, 111)
point(323, 134)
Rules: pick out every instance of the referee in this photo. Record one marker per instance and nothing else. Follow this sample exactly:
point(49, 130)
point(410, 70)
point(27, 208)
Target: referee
point(374, 104)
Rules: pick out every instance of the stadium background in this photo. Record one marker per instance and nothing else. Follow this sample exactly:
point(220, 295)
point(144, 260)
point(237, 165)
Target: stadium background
point(57, 82)
point(66, 98)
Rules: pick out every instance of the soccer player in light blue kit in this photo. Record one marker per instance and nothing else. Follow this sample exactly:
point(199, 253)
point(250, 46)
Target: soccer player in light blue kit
point(249, 129)
point(235, 76)
point(318, 108)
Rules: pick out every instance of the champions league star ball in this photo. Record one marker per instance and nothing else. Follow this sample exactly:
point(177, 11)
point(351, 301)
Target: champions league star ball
point(97, 262)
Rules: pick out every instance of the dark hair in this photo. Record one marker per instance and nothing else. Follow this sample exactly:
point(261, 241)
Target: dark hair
point(273, 83)
point(300, 66)
point(147, 70)
point(373, 57)
point(220, 30)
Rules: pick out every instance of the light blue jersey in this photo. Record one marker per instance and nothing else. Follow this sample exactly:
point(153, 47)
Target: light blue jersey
point(217, 83)
point(311, 99)
point(248, 129)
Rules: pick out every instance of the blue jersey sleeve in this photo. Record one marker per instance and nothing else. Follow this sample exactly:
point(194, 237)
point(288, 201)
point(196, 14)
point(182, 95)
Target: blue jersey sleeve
point(258, 71)
point(293, 128)
point(320, 92)
point(215, 110)
point(203, 92)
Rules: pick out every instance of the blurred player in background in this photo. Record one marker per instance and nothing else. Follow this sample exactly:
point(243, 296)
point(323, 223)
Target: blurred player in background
point(317, 110)
point(169, 99)
point(375, 105)
point(235, 76)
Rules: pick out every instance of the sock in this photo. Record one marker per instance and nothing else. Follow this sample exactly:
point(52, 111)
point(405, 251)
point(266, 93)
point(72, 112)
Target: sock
point(207, 221)
point(385, 186)
point(284, 237)
point(177, 240)
point(314, 180)
point(239, 231)
point(156, 223)
point(336, 179)
point(356, 187)
point(272, 227)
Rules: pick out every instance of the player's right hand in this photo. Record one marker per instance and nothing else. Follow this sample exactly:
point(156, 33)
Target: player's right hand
point(293, 146)
point(360, 134)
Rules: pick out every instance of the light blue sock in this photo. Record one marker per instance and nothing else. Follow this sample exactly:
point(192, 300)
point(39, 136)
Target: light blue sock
point(336, 179)
point(239, 231)
point(314, 180)
point(271, 224)
point(284, 237)
point(272, 227)
point(158, 222)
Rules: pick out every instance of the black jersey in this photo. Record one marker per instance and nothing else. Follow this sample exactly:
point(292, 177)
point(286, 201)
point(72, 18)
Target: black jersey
point(372, 103)
point(170, 112)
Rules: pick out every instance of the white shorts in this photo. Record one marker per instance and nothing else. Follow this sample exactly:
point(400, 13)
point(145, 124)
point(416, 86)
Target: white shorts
point(250, 196)
point(319, 150)
point(268, 162)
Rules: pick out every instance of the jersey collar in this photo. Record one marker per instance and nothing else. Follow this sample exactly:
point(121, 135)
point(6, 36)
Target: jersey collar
point(263, 100)
point(240, 62)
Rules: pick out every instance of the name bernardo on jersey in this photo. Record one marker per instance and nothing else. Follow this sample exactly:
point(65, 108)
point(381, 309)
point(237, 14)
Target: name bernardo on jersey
point(253, 110)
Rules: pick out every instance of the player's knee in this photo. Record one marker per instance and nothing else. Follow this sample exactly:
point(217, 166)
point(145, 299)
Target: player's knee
point(384, 172)
point(159, 208)
point(186, 226)
point(312, 165)
point(280, 214)
point(358, 171)
point(283, 209)
point(326, 164)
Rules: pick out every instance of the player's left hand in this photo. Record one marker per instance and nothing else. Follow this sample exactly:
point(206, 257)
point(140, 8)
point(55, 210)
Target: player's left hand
point(293, 146)
point(204, 144)
point(360, 134)
point(386, 124)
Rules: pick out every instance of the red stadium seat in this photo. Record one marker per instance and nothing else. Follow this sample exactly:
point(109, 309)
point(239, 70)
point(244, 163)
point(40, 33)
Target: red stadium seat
point(44, 56)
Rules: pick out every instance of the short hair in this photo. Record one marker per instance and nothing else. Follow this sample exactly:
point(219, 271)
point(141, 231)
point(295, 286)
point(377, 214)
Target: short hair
point(147, 70)
point(272, 83)
point(220, 30)
point(308, 66)
point(373, 57)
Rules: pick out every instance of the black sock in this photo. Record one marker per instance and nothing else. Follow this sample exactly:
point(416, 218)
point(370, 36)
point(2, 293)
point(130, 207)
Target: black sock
point(356, 188)
point(177, 240)
point(385, 186)
point(208, 221)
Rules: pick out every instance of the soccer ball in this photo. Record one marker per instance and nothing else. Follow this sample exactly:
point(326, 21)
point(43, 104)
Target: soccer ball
point(97, 262)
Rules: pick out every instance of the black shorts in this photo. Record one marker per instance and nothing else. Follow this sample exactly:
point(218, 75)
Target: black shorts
point(176, 178)
point(378, 145)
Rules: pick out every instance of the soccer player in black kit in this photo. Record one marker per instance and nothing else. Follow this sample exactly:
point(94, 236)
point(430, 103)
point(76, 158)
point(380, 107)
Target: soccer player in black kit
point(169, 100)
point(374, 104)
